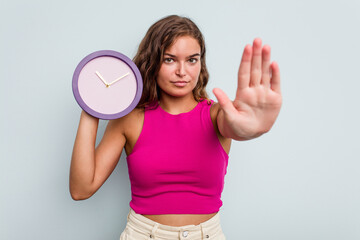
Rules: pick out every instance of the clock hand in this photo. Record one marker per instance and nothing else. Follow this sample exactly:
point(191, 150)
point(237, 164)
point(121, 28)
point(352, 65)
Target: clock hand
point(119, 78)
point(98, 74)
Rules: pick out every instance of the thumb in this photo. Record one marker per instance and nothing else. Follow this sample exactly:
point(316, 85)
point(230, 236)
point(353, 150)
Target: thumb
point(224, 102)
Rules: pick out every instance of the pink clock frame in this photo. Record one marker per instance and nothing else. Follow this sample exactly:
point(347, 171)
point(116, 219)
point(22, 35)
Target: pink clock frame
point(121, 57)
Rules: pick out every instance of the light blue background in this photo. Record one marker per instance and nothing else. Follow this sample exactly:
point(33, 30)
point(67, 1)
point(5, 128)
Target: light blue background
point(299, 181)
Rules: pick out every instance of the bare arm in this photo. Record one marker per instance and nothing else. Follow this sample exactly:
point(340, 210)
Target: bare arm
point(91, 167)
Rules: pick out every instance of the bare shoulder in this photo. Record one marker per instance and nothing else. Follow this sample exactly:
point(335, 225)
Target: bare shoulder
point(130, 126)
point(129, 121)
point(134, 119)
point(214, 112)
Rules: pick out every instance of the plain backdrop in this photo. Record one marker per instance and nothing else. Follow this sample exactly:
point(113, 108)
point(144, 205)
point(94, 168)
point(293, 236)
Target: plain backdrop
point(299, 181)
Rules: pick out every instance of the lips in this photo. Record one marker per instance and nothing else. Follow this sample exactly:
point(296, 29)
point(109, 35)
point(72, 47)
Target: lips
point(180, 83)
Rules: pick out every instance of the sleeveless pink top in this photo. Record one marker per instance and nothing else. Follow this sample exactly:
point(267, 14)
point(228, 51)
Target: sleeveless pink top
point(177, 165)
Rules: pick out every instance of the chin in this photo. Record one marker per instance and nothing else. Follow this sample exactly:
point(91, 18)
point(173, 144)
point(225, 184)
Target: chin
point(178, 93)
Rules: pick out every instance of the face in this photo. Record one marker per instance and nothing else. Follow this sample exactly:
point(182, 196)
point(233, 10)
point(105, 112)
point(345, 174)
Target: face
point(180, 69)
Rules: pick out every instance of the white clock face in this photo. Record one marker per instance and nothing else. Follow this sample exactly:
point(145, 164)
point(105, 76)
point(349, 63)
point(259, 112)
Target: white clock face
point(107, 85)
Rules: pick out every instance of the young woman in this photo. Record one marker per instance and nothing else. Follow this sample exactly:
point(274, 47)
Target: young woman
point(177, 140)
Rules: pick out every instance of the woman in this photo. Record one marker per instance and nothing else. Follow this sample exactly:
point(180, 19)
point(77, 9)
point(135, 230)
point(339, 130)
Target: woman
point(177, 140)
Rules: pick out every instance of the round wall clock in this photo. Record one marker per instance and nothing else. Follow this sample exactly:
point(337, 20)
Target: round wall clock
point(107, 84)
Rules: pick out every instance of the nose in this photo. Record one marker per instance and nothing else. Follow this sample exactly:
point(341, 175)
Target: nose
point(180, 70)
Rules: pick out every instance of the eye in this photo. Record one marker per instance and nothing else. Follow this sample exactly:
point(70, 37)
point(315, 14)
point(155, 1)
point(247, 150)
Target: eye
point(193, 60)
point(168, 60)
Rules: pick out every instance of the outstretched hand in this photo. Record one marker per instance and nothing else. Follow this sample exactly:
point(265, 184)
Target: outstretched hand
point(258, 98)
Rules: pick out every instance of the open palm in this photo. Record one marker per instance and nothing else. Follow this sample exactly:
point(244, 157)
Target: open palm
point(258, 98)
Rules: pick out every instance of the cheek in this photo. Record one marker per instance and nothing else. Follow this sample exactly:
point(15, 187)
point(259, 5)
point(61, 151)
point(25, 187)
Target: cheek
point(196, 72)
point(164, 72)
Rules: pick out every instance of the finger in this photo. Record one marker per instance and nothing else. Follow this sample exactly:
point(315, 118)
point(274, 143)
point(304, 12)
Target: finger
point(224, 102)
point(275, 78)
point(255, 77)
point(245, 67)
point(265, 74)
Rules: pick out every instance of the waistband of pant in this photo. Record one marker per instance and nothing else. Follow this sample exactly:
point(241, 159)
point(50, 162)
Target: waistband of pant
point(211, 227)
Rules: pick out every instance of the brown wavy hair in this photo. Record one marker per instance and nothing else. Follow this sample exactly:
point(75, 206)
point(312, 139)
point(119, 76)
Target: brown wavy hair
point(149, 57)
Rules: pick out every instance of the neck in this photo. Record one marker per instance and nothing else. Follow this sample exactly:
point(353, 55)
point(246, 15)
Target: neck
point(177, 105)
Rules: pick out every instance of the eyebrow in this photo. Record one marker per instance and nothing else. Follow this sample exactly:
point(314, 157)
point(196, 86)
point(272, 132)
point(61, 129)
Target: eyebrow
point(194, 55)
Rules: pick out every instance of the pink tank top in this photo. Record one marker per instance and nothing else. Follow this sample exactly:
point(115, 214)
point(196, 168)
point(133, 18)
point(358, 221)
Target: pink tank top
point(177, 165)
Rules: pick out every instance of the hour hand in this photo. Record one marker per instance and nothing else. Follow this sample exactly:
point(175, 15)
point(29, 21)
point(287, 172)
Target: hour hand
point(119, 78)
point(102, 79)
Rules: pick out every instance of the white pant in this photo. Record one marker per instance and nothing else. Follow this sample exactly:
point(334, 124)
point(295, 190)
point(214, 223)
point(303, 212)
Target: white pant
point(139, 227)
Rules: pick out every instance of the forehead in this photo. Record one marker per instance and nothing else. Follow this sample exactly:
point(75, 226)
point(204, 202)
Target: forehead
point(184, 45)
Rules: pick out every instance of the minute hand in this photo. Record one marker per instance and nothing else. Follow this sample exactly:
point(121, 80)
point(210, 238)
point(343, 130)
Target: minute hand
point(118, 78)
point(102, 79)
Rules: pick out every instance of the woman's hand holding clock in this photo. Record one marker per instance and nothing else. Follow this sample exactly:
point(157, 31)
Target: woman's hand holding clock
point(258, 98)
